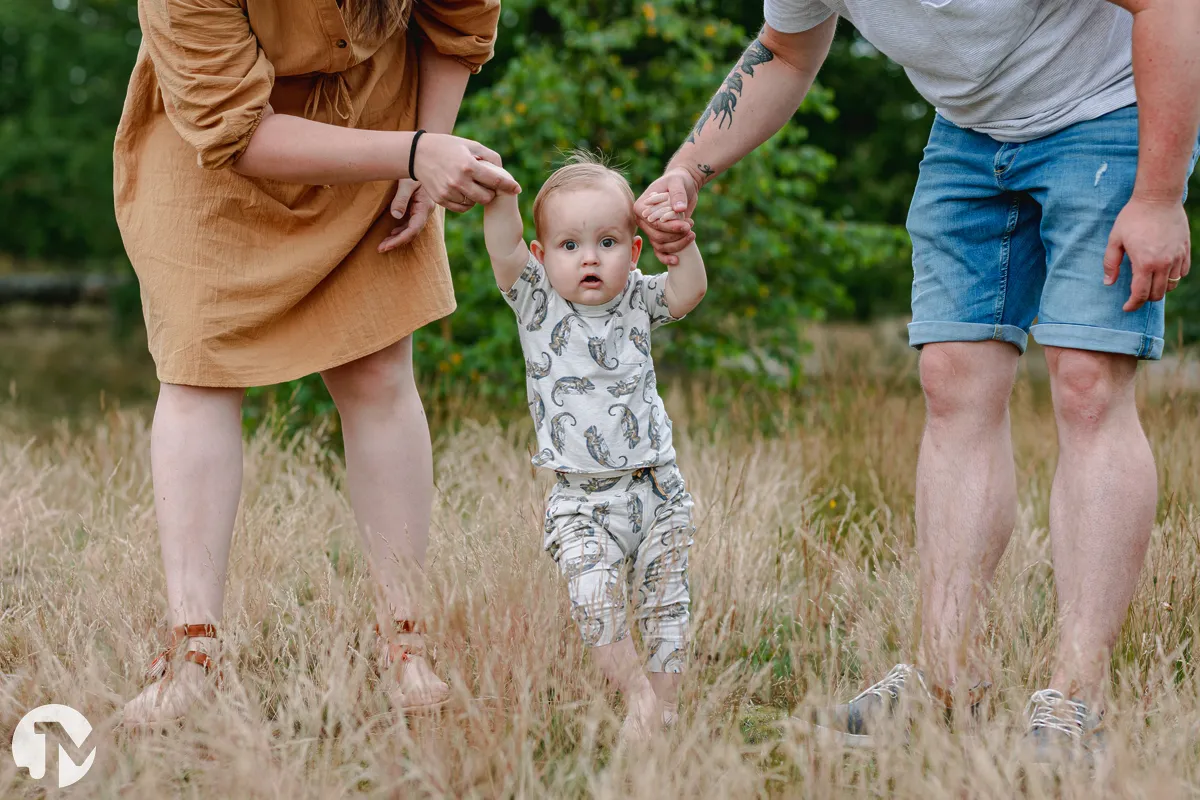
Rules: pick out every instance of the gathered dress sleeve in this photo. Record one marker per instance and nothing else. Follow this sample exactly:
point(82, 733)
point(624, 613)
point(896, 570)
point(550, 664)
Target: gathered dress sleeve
point(462, 29)
point(215, 79)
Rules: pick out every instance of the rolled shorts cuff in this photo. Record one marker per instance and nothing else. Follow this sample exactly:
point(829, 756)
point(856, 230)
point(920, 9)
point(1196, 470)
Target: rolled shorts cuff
point(922, 333)
point(1103, 340)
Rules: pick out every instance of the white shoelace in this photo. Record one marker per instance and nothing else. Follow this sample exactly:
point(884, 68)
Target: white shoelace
point(892, 683)
point(1045, 706)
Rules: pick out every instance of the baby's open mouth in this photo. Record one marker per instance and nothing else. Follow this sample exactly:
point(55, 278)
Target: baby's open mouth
point(591, 280)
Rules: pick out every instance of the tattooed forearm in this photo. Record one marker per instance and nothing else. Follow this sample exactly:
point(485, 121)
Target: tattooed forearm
point(700, 123)
point(757, 53)
point(724, 102)
point(705, 170)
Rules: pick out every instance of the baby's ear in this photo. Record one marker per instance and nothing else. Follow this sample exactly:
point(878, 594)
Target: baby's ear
point(635, 253)
point(538, 251)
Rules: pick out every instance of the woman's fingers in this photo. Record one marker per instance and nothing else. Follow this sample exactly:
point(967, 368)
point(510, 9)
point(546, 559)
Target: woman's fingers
point(460, 173)
point(485, 153)
point(495, 178)
point(473, 192)
point(457, 207)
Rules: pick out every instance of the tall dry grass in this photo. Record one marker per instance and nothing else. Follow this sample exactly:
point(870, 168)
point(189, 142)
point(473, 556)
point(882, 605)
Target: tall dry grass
point(804, 590)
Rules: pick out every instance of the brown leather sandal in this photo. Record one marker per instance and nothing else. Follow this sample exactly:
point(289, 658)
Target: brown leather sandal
point(162, 668)
point(406, 642)
point(161, 672)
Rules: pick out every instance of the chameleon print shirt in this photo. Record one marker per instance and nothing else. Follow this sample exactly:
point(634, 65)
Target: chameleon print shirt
point(589, 375)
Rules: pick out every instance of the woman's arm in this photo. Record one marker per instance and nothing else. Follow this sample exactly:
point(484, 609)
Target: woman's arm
point(293, 149)
point(297, 150)
point(758, 97)
point(441, 83)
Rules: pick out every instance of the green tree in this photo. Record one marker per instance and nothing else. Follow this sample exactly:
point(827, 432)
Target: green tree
point(639, 74)
point(64, 67)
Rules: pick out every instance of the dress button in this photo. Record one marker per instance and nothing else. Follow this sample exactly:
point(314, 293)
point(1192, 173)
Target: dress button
point(341, 42)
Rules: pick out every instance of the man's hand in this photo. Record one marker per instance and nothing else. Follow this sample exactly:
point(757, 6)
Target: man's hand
point(1155, 236)
point(669, 236)
point(411, 208)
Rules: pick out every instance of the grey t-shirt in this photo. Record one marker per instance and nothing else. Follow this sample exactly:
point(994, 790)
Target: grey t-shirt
point(1013, 69)
point(589, 376)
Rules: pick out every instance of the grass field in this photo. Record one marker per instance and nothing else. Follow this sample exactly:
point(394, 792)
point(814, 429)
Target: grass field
point(803, 582)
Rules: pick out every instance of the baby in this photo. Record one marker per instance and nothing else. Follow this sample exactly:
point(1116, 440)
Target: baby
point(619, 518)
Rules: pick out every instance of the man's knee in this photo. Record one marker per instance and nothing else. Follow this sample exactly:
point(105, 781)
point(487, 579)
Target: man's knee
point(967, 379)
point(1089, 386)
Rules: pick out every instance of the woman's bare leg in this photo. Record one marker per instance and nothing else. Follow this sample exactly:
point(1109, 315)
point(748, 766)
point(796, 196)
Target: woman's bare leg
point(389, 471)
point(196, 461)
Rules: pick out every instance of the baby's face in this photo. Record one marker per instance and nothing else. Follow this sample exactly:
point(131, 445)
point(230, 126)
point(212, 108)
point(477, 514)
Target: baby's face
point(590, 247)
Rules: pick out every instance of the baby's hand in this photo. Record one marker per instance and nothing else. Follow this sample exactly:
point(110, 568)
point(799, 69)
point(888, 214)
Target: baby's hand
point(658, 208)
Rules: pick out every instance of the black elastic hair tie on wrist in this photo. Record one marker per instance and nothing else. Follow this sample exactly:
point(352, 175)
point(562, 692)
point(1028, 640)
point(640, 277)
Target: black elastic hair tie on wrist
point(412, 153)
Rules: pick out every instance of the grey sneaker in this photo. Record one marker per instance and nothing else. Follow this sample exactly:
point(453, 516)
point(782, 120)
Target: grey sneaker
point(1062, 728)
point(872, 714)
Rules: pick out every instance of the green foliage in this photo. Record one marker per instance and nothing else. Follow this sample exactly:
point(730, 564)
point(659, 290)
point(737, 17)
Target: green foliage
point(64, 67)
point(1183, 304)
point(806, 227)
point(639, 75)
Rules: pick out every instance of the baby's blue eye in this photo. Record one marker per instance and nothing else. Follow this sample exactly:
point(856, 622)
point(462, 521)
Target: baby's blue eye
point(569, 245)
point(608, 241)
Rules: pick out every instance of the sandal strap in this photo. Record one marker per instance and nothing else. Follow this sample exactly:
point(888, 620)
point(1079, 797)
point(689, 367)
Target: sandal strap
point(196, 657)
point(160, 666)
point(404, 626)
point(197, 631)
point(411, 645)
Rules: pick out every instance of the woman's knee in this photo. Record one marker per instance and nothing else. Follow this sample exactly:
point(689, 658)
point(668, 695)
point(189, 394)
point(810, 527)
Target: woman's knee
point(385, 377)
point(199, 401)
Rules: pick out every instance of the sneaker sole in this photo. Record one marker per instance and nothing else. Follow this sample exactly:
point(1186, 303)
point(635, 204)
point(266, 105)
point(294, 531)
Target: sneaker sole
point(832, 736)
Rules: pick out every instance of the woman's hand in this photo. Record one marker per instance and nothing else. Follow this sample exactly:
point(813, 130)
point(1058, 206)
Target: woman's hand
point(458, 173)
point(411, 208)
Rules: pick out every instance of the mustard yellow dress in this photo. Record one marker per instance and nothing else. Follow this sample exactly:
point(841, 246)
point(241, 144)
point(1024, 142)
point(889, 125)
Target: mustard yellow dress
point(247, 281)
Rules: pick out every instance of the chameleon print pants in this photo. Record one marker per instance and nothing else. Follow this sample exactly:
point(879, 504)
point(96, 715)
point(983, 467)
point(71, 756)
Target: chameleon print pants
point(623, 537)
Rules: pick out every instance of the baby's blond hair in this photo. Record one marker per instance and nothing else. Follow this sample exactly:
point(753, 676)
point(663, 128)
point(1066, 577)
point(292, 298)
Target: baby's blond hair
point(582, 170)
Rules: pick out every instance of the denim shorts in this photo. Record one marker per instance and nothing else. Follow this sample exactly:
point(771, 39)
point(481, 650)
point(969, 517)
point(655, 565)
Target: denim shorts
point(1005, 234)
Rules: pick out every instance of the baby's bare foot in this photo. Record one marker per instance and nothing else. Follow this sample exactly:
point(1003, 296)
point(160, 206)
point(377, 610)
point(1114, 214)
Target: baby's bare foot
point(643, 720)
